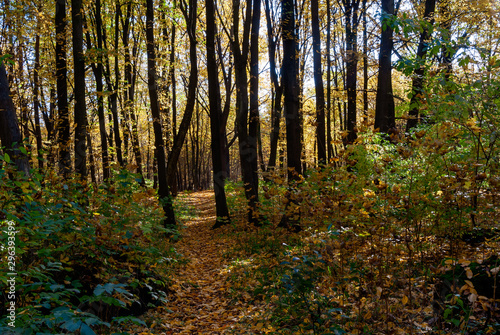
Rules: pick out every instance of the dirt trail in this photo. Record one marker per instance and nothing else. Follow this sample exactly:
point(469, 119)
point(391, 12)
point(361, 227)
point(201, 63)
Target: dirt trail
point(201, 304)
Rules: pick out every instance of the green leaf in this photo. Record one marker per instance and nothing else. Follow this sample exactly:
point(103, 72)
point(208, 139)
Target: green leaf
point(6, 158)
point(99, 290)
point(86, 330)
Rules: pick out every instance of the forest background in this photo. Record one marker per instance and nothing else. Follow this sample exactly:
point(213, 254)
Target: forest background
point(354, 141)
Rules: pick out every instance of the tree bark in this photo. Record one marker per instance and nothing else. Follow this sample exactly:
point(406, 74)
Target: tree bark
point(80, 110)
point(63, 126)
point(163, 192)
point(217, 131)
point(291, 89)
point(277, 92)
point(10, 134)
point(173, 158)
point(351, 8)
point(418, 74)
point(36, 103)
point(289, 70)
point(384, 109)
point(247, 141)
point(254, 117)
point(318, 84)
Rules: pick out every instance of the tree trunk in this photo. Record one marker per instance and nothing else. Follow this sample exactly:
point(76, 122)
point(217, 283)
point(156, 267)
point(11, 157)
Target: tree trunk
point(365, 64)
point(247, 141)
point(217, 131)
point(36, 103)
point(254, 117)
point(384, 109)
point(173, 157)
point(289, 70)
point(318, 84)
point(351, 34)
point(113, 88)
point(291, 90)
point(328, 83)
point(80, 111)
point(98, 72)
point(163, 192)
point(418, 74)
point(63, 126)
point(10, 134)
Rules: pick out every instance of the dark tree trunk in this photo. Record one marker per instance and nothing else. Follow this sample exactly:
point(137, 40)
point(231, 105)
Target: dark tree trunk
point(173, 82)
point(277, 91)
point(351, 35)
point(93, 176)
point(446, 51)
point(63, 127)
point(36, 103)
point(10, 134)
point(130, 95)
point(417, 84)
point(173, 157)
point(217, 131)
point(247, 141)
point(98, 72)
point(365, 64)
point(80, 112)
point(318, 84)
point(163, 192)
point(291, 90)
point(384, 109)
point(254, 117)
point(113, 88)
point(328, 82)
point(289, 70)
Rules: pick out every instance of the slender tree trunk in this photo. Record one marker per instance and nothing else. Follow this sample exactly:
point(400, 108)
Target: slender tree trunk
point(113, 88)
point(10, 134)
point(63, 126)
point(98, 72)
point(36, 103)
point(419, 72)
point(173, 158)
point(351, 28)
point(291, 90)
point(446, 51)
point(384, 109)
point(247, 141)
point(289, 70)
point(328, 82)
point(163, 192)
point(254, 117)
point(217, 132)
point(318, 84)
point(365, 64)
point(130, 75)
point(93, 176)
point(80, 112)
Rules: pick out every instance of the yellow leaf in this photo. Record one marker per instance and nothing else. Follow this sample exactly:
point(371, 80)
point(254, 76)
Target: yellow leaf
point(469, 273)
point(405, 300)
point(468, 282)
point(379, 292)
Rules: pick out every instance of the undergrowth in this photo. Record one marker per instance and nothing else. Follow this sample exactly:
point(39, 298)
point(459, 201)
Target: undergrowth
point(87, 258)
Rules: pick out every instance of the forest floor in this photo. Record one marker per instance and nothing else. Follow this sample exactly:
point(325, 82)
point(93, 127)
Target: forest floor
point(199, 302)
point(242, 280)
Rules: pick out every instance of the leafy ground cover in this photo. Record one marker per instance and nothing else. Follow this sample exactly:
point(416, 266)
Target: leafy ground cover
point(399, 235)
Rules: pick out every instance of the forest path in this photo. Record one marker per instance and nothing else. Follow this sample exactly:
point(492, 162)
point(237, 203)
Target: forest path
point(201, 303)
